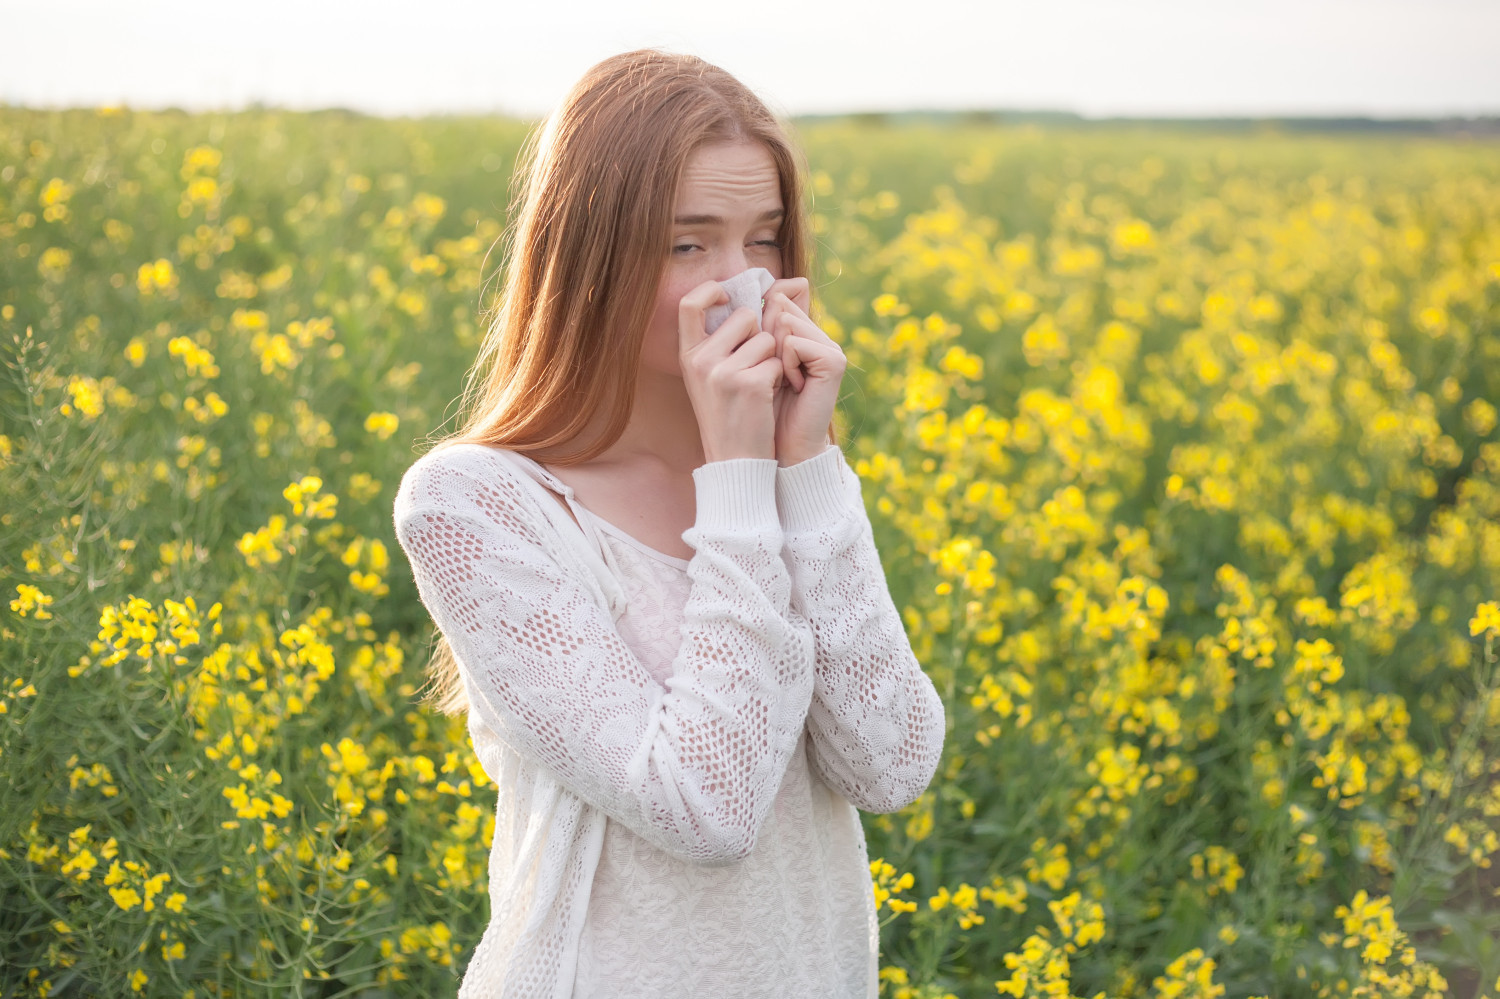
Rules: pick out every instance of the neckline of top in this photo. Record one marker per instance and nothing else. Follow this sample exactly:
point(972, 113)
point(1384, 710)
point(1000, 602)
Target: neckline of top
point(636, 543)
point(545, 472)
point(606, 526)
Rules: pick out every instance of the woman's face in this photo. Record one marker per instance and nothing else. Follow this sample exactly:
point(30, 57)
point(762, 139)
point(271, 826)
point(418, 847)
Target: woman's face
point(727, 218)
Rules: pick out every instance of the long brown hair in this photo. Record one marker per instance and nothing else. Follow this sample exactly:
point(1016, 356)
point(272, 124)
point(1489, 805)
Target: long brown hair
point(585, 249)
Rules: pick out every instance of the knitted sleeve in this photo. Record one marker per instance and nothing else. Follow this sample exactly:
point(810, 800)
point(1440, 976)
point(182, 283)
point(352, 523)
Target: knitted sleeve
point(693, 768)
point(876, 720)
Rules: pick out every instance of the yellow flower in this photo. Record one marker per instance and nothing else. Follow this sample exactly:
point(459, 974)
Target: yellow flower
point(195, 358)
point(323, 507)
point(30, 600)
point(1133, 236)
point(1486, 619)
point(1005, 893)
point(126, 898)
point(56, 192)
point(1044, 343)
point(275, 351)
point(959, 361)
point(86, 397)
point(368, 582)
point(1223, 869)
point(1189, 977)
point(428, 207)
point(202, 190)
point(53, 263)
point(264, 545)
point(1054, 868)
point(887, 884)
point(363, 486)
point(80, 865)
point(156, 276)
point(382, 425)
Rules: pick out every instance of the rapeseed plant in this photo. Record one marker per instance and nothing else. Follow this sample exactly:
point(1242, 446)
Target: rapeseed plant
point(1180, 452)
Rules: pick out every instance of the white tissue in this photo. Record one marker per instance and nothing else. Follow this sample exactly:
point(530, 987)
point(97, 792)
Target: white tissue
point(746, 289)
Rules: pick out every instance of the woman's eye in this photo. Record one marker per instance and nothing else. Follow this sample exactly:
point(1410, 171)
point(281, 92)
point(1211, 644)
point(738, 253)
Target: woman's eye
point(769, 243)
point(684, 247)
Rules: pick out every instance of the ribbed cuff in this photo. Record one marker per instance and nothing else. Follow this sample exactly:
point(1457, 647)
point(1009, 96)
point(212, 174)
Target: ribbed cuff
point(814, 492)
point(738, 493)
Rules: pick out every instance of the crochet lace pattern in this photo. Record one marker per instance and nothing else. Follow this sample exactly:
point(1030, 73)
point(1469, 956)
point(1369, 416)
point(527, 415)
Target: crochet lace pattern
point(788, 630)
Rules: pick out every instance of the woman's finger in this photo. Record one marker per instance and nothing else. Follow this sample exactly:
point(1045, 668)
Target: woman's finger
point(792, 308)
point(797, 289)
point(821, 359)
point(802, 323)
point(793, 290)
point(724, 341)
point(771, 368)
point(692, 308)
point(804, 359)
point(791, 323)
point(777, 303)
point(756, 348)
point(791, 361)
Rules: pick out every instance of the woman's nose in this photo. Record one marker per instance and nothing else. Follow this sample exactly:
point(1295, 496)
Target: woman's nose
point(733, 262)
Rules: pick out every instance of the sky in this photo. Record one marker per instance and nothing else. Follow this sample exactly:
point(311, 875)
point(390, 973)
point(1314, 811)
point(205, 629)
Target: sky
point(1098, 58)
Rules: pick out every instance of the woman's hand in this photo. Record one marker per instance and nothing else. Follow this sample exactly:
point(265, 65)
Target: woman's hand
point(731, 377)
point(813, 367)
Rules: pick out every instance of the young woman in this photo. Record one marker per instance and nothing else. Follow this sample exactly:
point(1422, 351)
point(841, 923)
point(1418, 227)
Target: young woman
point(660, 599)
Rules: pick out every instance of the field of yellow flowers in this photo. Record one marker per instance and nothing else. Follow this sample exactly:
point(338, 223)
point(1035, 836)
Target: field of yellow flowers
point(1181, 450)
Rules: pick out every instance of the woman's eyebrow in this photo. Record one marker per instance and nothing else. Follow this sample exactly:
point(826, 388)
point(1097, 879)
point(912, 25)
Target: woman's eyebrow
point(769, 216)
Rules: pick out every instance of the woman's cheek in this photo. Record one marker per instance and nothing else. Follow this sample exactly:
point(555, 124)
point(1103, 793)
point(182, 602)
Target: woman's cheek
point(659, 351)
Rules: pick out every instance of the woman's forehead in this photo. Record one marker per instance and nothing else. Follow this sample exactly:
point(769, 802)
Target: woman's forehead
point(740, 174)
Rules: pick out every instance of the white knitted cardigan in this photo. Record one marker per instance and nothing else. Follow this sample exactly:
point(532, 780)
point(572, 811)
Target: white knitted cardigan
point(789, 627)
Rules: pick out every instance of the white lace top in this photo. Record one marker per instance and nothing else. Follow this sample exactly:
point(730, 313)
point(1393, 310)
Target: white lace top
point(676, 743)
